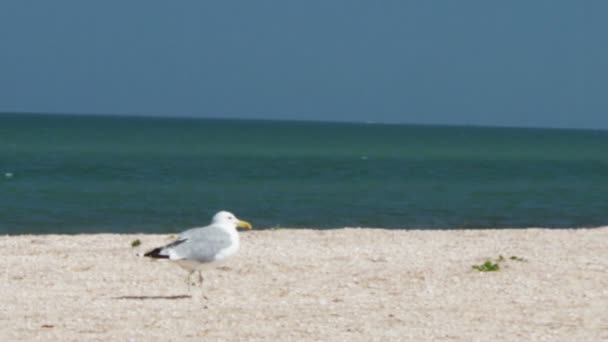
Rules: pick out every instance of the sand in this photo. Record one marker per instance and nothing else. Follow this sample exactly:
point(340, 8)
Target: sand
point(338, 285)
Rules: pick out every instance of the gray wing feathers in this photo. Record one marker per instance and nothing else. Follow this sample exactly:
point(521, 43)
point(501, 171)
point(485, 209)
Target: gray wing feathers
point(200, 244)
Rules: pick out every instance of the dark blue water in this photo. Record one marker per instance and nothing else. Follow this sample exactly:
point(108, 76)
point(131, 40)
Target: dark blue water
point(67, 174)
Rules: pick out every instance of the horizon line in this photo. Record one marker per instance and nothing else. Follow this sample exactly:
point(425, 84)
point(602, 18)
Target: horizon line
point(296, 120)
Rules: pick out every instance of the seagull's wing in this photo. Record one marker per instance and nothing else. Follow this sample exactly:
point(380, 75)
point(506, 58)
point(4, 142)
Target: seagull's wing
point(163, 252)
point(199, 244)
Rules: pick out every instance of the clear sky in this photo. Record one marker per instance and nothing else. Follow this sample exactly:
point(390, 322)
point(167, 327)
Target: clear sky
point(517, 63)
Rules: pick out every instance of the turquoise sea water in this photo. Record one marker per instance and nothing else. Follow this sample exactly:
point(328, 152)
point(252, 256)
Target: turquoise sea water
point(68, 174)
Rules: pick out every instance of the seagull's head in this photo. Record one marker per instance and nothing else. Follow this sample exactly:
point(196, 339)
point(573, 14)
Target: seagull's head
point(225, 217)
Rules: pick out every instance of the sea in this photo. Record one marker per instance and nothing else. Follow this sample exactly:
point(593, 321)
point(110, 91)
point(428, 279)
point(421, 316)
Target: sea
point(121, 174)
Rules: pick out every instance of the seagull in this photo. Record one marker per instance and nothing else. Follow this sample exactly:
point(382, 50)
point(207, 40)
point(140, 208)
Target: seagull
point(198, 248)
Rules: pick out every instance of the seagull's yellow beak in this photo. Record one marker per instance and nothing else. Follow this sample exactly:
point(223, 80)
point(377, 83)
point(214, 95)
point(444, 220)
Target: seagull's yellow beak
point(243, 224)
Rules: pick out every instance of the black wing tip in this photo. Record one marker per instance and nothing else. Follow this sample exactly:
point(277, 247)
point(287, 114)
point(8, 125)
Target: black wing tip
point(155, 253)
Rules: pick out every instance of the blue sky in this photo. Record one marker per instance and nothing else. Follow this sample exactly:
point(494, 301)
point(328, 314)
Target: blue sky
point(515, 63)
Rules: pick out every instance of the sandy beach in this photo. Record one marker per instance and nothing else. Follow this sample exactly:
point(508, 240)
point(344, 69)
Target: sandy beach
point(340, 285)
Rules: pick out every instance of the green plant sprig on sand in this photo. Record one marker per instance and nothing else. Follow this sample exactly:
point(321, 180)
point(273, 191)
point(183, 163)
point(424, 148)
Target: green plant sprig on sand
point(489, 266)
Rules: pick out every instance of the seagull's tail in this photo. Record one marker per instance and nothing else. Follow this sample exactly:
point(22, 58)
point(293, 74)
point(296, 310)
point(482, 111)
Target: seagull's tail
point(156, 253)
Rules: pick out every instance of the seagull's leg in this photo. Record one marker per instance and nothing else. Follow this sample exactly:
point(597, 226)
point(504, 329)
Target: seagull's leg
point(200, 281)
point(188, 279)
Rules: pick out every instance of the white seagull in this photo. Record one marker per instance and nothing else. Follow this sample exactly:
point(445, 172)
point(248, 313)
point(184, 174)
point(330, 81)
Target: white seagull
point(198, 248)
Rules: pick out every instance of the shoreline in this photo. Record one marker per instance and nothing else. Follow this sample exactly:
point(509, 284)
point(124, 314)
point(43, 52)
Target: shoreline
point(305, 284)
point(266, 229)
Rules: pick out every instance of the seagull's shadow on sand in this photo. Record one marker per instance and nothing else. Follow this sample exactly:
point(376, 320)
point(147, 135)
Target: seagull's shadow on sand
point(154, 297)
